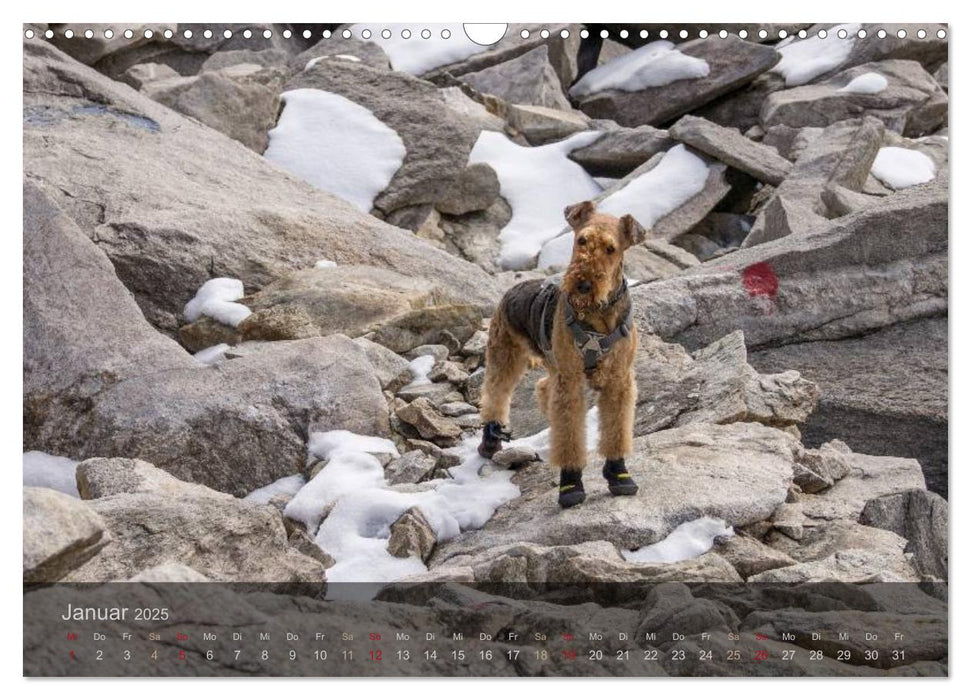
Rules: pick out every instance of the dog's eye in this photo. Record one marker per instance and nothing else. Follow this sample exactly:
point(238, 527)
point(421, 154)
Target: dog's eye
point(611, 250)
point(581, 241)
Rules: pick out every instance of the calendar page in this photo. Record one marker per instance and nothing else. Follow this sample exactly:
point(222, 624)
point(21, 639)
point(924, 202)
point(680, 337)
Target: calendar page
point(485, 349)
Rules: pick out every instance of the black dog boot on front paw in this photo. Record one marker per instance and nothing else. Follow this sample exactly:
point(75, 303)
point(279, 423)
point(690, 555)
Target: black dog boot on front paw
point(571, 488)
point(492, 437)
point(619, 481)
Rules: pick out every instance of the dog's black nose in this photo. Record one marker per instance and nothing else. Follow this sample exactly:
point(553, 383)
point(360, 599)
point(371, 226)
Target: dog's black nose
point(584, 286)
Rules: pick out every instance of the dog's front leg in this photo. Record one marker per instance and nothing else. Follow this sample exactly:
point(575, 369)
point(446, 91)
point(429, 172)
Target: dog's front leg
point(568, 435)
point(616, 403)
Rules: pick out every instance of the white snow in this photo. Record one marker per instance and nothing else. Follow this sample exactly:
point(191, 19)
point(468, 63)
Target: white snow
point(649, 197)
point(811, 57)
point(416, 55)
point(212, 355)
point(323, 264)
point(217, 299)
point(420, 367)
point(357, 527)
point(652, 65)
point(686, 541)
point(538, 183)
point(866, 84)
point(50, 471)
point(899, 168)
point(287, 486)
point(336, 145)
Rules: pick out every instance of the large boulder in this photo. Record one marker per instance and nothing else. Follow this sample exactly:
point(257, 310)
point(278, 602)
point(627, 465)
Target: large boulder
point(100, 381)
point(60, 534)
point(920, 517)
point(882, 393)
point(838, 159)
point(527, 79)
point(909, 102)
point(437, 140)
point(619, 150)
point(174, 203)
point(739, 472)
point(860, 273)
point(241, 101)
point(732, 62)
point(156, 519)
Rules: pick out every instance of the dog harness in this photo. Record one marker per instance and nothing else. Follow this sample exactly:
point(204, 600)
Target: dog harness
point(591, 344)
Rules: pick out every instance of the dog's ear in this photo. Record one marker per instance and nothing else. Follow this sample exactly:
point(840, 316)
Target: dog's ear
point(578, 214)
point(631, 232)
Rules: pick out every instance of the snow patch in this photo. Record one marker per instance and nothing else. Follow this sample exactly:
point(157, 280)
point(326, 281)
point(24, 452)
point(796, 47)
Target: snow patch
point(420, 367)
point(342, 56)
point(51, 472)
point(865, 84)
point(899, 168)
point(416, 55)
point(217, 299)
point(287, 486)
point(336, 145)
point(804, 60)
point(652, 65)
point(538, 183)
point(687, 541)
point(324, 264)
point(678, 177)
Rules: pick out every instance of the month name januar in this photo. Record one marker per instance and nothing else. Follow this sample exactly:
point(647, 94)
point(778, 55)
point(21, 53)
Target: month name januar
point(76, 613)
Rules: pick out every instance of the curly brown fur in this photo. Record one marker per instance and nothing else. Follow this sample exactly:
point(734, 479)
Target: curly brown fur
point(594, 275)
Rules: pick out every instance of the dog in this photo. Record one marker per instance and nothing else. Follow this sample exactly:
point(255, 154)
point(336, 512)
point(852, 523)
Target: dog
point(581, 330)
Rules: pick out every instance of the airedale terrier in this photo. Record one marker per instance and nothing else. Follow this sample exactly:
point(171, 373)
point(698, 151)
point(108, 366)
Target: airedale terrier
point(580, 329)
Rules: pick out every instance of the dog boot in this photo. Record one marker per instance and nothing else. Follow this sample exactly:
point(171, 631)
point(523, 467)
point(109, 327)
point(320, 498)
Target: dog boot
point(571, 488)
point(492, 437)
point(619, 481)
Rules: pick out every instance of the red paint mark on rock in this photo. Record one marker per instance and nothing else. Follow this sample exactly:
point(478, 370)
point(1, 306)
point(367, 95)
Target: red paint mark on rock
point(760, 280)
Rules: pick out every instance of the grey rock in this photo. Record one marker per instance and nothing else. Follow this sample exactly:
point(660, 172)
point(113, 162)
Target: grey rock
point(912, 104)
point(438, 393)
point(426, 419)
point(267, 58)
point(528, 79)
point(732, 62)
point(921, 518)
point(144, 73)
point(738, 472)
point(883, 393)
point(100, 381)
point(476, 345)
point(439, 352)
point(169, 572)
point(390, 368)
point(241, 101)
point(841, 155)
point(515, 456)
point(446, 371)
point(847, 566)
point(561, 52)
point(941, 76)
point(60, 534)
point(410, 468)
point(437, 140)
point(428, 325)
point(221, 537)
point(620, 151)
point(101, 477)
point(348, 299)
point(542, 125)
point(862, 272)
point(254, 226)
point(337, 48)
point(457, 408)
point(730, 147)
point(749, 556)
point(411, 535)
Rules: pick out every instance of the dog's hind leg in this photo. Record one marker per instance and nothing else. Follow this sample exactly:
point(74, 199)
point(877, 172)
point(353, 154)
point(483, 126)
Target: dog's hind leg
point(507, 356)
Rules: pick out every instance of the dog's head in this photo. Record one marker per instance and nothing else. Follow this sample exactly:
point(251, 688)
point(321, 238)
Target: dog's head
point(597, 265)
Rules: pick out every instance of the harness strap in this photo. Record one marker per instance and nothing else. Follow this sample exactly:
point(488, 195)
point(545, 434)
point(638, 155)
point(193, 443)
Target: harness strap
point(591, 344)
